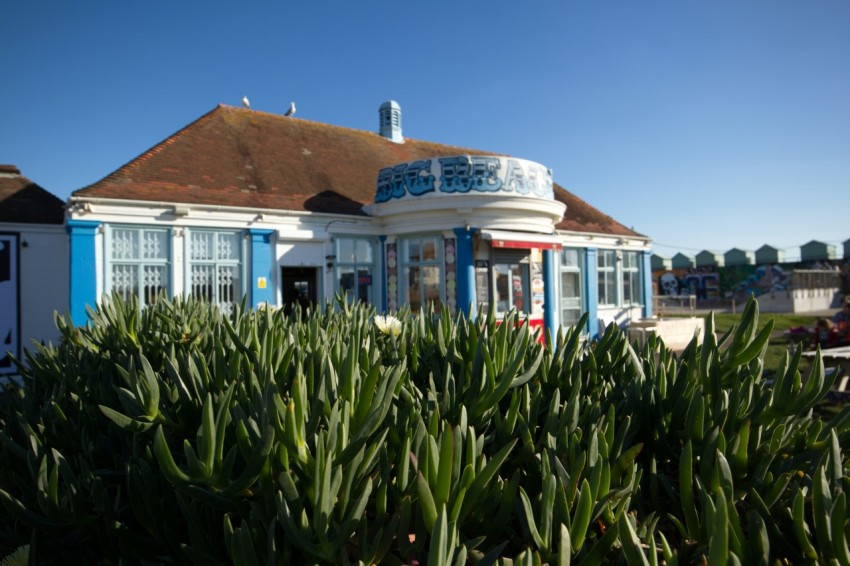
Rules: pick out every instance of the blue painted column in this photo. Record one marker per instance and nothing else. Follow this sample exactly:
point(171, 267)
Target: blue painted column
point(83, 268)
point(382, 269)
point(646, 267)
point(592, 292)
point(466, 298)
point(550, 316)
point(262, 290)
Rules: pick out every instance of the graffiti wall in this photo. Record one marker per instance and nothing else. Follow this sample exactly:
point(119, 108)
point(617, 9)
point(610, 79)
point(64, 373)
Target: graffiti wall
point(702, 282)
point(738, 282)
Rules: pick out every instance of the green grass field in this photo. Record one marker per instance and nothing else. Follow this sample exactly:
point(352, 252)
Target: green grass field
point(779, 341)
point(779, 344)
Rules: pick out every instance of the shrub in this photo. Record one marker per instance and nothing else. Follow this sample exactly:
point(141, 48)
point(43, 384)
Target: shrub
point(176, 434)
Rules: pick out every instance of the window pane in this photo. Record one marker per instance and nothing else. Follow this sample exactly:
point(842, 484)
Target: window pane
point(201, 246)
point(502, 291)
point(570, 288)
point(345, 250)
point(364, 251)
point(154, 282)
point(414, 289)
point(125, 281)
point(125, 243)
point(364, 285)
point(518, 290)
point(611, 289)
point(413, 253)
point(431, 285)
point(632, 281)
point(228, 284)
point(570, 257)
point(429, 249)
point(607, 288)
point(228, 246)
point(155, 244)
point(346, 280)
point(202, 281)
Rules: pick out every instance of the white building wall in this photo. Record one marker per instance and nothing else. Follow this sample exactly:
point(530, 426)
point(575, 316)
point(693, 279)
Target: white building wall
point(44, 280)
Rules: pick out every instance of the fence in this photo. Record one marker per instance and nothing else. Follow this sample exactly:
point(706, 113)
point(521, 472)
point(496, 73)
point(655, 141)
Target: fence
point(674, 305)
point(815, 279)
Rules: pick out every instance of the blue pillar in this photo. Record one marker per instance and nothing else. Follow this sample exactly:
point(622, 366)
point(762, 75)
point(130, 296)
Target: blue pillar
point(83, 269)
point(382, 269)
point(646, 267)
point(465, 254)
point(261, 267)
point(592, 292)
point(550, 315)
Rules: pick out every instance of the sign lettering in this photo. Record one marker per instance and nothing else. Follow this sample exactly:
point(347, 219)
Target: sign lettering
point(464, 174)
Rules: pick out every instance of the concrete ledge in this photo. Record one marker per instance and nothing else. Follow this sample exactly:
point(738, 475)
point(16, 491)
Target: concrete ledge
point(676, 333)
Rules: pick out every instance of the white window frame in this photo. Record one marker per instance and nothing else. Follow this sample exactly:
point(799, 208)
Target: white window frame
point(631, 272)
point(579, 270)
point(217, 263)
point(606, 272)
point(138, 263)
point(357, 265)
point(405, 264)
point(524, 265)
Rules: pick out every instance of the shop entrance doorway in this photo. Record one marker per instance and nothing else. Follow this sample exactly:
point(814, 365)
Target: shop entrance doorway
point(299, 287)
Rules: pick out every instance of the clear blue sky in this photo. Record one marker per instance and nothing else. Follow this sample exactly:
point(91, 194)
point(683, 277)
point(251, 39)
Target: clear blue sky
point(704, 124)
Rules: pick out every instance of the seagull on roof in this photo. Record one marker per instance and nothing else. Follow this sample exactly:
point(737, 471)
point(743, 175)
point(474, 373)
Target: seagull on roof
point(245, 102)
point(291, 110)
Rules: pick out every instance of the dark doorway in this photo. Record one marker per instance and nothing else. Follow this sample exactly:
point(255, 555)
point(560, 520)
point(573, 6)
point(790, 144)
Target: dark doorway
point(299, 287)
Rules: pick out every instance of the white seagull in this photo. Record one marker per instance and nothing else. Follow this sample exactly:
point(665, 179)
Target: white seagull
point(291, 110)
point(245, 102)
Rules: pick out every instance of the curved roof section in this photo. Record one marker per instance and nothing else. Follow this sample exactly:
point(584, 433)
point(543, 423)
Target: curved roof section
point(247, 158)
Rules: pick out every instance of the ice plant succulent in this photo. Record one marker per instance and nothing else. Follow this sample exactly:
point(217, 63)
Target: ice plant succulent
point(176, 433)
point(388, 324)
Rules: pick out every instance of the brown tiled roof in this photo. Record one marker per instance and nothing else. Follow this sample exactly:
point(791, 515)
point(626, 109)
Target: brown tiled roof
point(582, 217)
point(23, 201)
point(246, 158)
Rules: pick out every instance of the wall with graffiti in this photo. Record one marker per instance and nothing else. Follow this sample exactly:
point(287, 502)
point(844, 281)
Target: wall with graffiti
point(738, 282)
point(702, 282)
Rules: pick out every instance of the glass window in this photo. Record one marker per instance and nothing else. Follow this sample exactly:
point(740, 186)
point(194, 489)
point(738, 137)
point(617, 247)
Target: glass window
point(572, 298)
point(138, 262)
point(422, 269)
point(631, 278)
point(215, 267)
point(607, 277)
point(512, 285)
point(355, 268)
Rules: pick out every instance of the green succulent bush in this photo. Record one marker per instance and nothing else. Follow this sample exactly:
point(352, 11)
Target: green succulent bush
point(174, 433)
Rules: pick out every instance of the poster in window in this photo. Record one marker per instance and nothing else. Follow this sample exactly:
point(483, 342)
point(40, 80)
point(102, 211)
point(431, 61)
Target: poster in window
point(482, 283)
point(537, 289)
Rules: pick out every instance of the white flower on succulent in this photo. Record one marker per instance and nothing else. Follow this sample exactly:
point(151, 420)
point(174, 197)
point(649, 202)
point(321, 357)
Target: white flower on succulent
point(389, 325)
